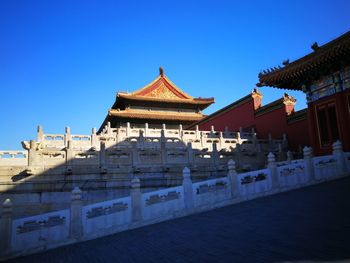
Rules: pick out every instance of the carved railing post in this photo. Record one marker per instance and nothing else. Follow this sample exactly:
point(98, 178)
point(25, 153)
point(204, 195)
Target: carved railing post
point(135, 194)
point(255, 140)
point(109, 129)
point(40, 135)
point(32, 154)
point(339, 157)
point(128, 129)
point(146, 130)
point(238, 156)
point(6, 228)
point(187, 188)
point(190, 155)
point(215, 155)
point(76, 222)
point(34, 159)
point(67, 136)
point(181, 132)
point(232, 178)
point(69, 157)
point(289, 156)
point(162, 133)
point(141, 140)
point(198, 133)
point(119, 135)
point(163, 151)
point(203, 139)
point(103, 153)
point(307, 151)
point(271, 165)
point(135, 155)
point(221, 140)
point(239, 140)
point(94, 141)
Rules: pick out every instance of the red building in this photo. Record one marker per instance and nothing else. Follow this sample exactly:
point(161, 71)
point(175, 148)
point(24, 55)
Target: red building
point(324, 76)
point(276, 118)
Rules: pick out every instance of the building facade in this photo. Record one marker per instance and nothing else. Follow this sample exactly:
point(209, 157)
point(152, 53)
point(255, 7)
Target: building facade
point(324, 76)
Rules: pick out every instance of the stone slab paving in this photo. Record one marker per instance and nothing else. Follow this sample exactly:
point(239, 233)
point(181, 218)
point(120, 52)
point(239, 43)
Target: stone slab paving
point(310, 224)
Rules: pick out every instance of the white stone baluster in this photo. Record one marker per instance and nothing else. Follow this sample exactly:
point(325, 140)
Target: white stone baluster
point(6, 228)
point(307, 151)
point(271, 165)
point(289, 156)
point(232, 178)
point(339, 157)
point(40, 134)
point(67, 136)
point(187, 187)
point(135, 194)
point(76, 223)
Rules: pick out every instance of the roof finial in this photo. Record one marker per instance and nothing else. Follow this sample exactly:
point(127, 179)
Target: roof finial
point(285, 62)
point(161, 71)
point(314, 46)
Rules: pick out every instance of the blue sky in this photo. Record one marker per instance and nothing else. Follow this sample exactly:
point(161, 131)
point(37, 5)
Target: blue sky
point(62, 62)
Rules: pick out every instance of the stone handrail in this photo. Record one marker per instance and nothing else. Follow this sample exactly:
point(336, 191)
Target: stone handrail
point(194, 147)
point(81, 222)
point(13, 158)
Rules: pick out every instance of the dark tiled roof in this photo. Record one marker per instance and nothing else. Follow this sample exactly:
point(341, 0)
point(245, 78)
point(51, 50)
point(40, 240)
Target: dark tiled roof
point(329, 57)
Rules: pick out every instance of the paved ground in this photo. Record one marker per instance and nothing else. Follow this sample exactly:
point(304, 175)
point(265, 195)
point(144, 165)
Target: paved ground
point(310, 224)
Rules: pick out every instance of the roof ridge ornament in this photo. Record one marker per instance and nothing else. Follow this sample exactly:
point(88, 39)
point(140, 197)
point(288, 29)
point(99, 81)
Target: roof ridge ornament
point(288, 99)
point(314, 46)
point(161, 71)
point(285, 62)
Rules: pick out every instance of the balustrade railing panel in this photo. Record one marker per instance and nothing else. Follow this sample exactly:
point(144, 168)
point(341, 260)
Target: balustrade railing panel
point(255, 182)
point(105, 215)
point(162, 202)
point(37, 231)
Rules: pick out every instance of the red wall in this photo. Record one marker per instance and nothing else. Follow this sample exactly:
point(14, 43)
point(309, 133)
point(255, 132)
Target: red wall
point(268, 120)
point(240, 116)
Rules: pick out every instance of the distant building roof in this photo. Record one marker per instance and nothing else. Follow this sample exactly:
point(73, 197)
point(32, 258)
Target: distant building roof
point(164, 91)
point(322, 61)
point(161, 100)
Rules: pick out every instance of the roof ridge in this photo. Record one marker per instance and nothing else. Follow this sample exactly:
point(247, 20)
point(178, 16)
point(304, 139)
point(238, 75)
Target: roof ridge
point(169, 82)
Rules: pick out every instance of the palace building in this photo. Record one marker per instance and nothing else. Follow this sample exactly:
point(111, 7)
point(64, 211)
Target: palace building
point(324, 76)
point(158, 103)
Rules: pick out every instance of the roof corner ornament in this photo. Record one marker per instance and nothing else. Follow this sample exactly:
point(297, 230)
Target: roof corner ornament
point(161, 71)
point(257, 98)
point(285, 62)
point(314, 46)
point(256, 92)
point(288, 99)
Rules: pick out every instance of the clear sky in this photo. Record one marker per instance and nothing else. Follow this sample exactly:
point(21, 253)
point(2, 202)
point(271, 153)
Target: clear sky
point(62, 62)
